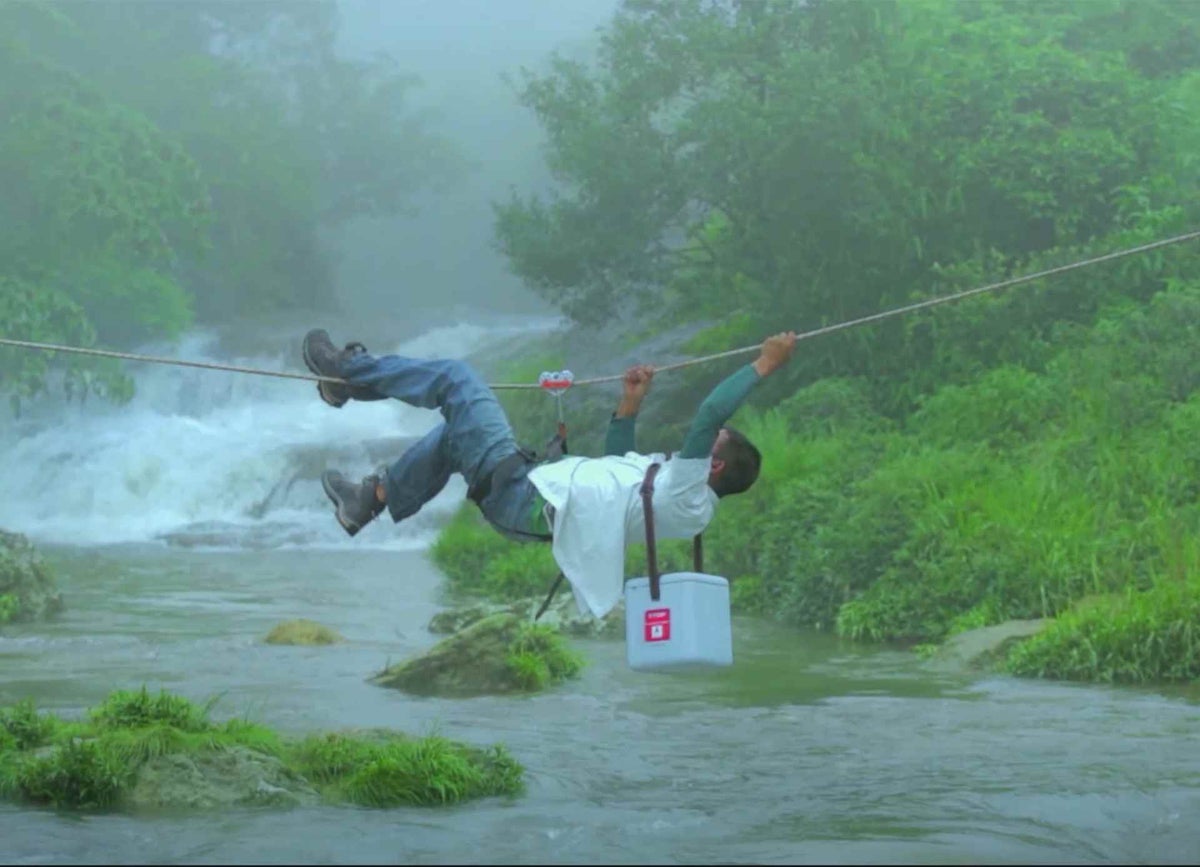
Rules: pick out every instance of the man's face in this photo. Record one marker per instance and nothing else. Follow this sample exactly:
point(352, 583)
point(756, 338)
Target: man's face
point(717, 463)
point(719, 443)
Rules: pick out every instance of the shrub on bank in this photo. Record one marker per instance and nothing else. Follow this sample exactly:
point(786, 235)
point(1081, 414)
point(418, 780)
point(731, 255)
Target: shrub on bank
point(1127, 637)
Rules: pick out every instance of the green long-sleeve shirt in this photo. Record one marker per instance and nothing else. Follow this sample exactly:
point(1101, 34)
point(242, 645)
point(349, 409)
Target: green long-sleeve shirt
point(619, 439)
point(721, 403)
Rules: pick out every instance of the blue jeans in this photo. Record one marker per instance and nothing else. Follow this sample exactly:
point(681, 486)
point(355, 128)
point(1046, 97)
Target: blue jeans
point(474, 437)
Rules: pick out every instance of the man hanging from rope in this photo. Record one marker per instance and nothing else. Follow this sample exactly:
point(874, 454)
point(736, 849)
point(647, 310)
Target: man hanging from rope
point(587, 507)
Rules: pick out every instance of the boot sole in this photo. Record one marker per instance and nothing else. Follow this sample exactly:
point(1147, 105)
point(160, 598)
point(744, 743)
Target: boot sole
point(322, 387)
point(347, 525)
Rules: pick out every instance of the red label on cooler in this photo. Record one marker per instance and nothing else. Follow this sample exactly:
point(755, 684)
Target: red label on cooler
point(658, 624)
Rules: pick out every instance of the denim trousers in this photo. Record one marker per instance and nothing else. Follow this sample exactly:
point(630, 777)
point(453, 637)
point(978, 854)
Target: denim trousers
point(474, 436)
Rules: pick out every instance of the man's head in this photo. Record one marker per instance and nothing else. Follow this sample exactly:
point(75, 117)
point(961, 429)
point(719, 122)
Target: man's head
point(735, 463)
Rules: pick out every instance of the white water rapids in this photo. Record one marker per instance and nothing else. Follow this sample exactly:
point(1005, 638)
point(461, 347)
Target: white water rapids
point(216, 459)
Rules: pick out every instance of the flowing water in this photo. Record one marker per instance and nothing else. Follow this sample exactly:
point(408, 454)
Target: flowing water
point(184, 526)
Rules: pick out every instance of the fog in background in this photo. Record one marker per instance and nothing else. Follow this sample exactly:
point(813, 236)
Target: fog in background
point(441, 261)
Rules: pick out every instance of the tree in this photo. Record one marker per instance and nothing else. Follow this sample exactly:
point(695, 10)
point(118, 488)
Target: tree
point(99, 204)
point(291, 138)
point(194, 177)
point(776, 164)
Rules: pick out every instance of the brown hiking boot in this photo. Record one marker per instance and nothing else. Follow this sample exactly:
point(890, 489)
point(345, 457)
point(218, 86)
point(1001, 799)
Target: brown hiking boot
point(325, 359)
point(356, 503)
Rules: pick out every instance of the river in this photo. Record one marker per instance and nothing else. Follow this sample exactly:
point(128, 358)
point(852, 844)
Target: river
point(184, 526)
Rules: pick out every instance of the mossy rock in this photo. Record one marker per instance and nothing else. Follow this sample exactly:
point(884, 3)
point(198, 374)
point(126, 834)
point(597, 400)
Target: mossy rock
point(27, 590)
point(457, 619)
point(303, 632)
point(137, 751)
point(562, 615)
point(986, 647)
point(500, 653)
point(233, 777)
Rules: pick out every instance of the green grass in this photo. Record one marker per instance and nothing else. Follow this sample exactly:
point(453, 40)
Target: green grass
point(328, 758)
point(539, 657)
point(393, 772)
point(478, 561)
point(126, 709)
point(140, 744)
point(78, 774)
point(26, 729)
point(92, 762)
point(1128, 637)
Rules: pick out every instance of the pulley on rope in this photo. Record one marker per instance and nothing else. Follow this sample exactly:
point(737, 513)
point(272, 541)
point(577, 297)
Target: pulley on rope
point(555, 383)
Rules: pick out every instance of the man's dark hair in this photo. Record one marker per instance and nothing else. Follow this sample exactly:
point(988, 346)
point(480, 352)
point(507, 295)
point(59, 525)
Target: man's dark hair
point(742, 462)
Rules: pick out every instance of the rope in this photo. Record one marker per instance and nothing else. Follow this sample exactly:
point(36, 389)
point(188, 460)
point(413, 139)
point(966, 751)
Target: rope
point(154, 359)
point(910, 308)
point(817, 332)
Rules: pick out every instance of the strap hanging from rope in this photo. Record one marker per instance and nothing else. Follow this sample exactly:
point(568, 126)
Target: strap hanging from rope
point(817, 332)
point(647, 492)
point(648, 513)
point(549, 597)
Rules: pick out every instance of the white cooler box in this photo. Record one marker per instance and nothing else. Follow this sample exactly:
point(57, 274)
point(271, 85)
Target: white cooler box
point(688, 627)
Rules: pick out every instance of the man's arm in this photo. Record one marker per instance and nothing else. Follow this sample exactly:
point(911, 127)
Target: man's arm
point(725, 399)
point(620, 437)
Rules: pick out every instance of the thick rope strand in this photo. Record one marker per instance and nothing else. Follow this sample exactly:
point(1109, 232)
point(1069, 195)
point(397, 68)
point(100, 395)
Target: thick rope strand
point(154, 359)
point(920, 305)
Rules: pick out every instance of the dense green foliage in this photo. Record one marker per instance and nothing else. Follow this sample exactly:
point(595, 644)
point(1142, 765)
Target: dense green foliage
point(776, 164)
point(1130, 637)
point(758, 166)
point(91, 764)
point(25, 728)
point(190, 180)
